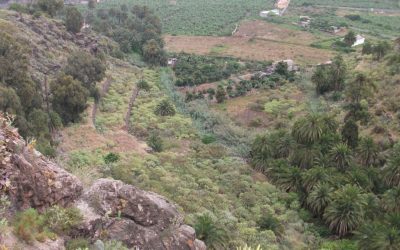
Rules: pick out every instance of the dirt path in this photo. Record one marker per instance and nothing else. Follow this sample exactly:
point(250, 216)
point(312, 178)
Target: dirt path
point(135, 93)
point(106, 85)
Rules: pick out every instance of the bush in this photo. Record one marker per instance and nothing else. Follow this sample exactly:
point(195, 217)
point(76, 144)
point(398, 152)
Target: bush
point(114, 245)
point(78, 243)
point(62, 220)
point(73, 20)
point(155, 142)
point(165, 108)
point(207, 139)
point(269, 222)
point(28, 225)
point(111, 158)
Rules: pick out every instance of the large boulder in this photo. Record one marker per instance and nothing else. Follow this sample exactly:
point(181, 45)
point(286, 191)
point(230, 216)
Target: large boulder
point(114, 210)
point(29, 178)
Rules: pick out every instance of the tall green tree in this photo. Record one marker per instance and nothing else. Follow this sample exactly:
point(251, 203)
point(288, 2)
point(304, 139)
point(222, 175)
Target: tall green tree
point(153, 53)
point(350, 38)
point(73, 20)
point(380, 50)
point(69, 98)
point(346, 211)
point(361, 87)
point(51, 7)
point(9, 101)
point(350, 133)
point(85, 68)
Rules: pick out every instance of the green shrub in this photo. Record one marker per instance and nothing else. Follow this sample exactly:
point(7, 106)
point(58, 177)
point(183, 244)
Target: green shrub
point(111, 158)
point(165, 108)
point(114, 245)
point(155, 142)
point(28, 225)
point(62, 220)
point(269, 222)
point(78, 243)
point(209, 138)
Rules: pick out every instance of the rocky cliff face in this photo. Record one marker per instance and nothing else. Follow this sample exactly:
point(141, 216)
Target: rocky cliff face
point(111, 209)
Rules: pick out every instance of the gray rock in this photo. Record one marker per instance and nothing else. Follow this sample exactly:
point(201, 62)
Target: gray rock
point(117, 211)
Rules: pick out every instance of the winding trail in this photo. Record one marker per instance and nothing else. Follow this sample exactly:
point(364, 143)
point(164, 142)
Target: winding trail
point(135, 93)
point(105, 87)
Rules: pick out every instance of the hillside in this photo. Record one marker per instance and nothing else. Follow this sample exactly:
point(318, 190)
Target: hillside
point(283, 134)
point(191, 173)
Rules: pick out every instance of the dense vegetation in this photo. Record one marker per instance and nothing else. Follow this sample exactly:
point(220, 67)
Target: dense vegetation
point(136, 30)
point(191, 17)
point(338, 171)
point(24, 97)
point(343, 178)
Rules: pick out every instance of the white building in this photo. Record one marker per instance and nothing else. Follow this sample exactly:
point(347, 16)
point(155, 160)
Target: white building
point(359, 41)
point(267, 13)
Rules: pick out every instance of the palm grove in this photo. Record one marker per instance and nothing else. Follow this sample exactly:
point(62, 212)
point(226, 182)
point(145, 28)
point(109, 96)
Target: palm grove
point(348, 181)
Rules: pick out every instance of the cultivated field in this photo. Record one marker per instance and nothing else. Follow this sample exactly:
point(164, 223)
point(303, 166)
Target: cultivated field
point(382, 4)
point(255, 40)
point(194, 17)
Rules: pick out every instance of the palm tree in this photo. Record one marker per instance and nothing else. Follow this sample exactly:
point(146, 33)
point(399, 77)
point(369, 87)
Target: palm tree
point(341, 156)
point(346, 211)
point(368, 151)
point(165, 108)
point(305, 156)
point(391, 200)
point(361, 87)
point(261, 153)
point(308, 130)
point(315, 176)
point(284, 145)
point(213, 236)
point(319, 198)
point(338, 73)
point(382, 235)
point(391, 171)
point(289, 178)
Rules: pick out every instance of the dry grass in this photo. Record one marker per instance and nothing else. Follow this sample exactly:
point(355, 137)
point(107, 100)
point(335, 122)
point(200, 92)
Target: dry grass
point(254, 40)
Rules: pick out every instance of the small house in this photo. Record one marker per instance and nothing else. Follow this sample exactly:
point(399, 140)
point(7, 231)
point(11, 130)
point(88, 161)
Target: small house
point(267, 13)
point(359, 41)
point(334, 29)
point(172, 61)
point(305, 21)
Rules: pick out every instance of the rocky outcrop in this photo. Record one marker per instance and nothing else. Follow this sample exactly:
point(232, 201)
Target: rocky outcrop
point(29, 178)
point(111, 209)
point(114, 210)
